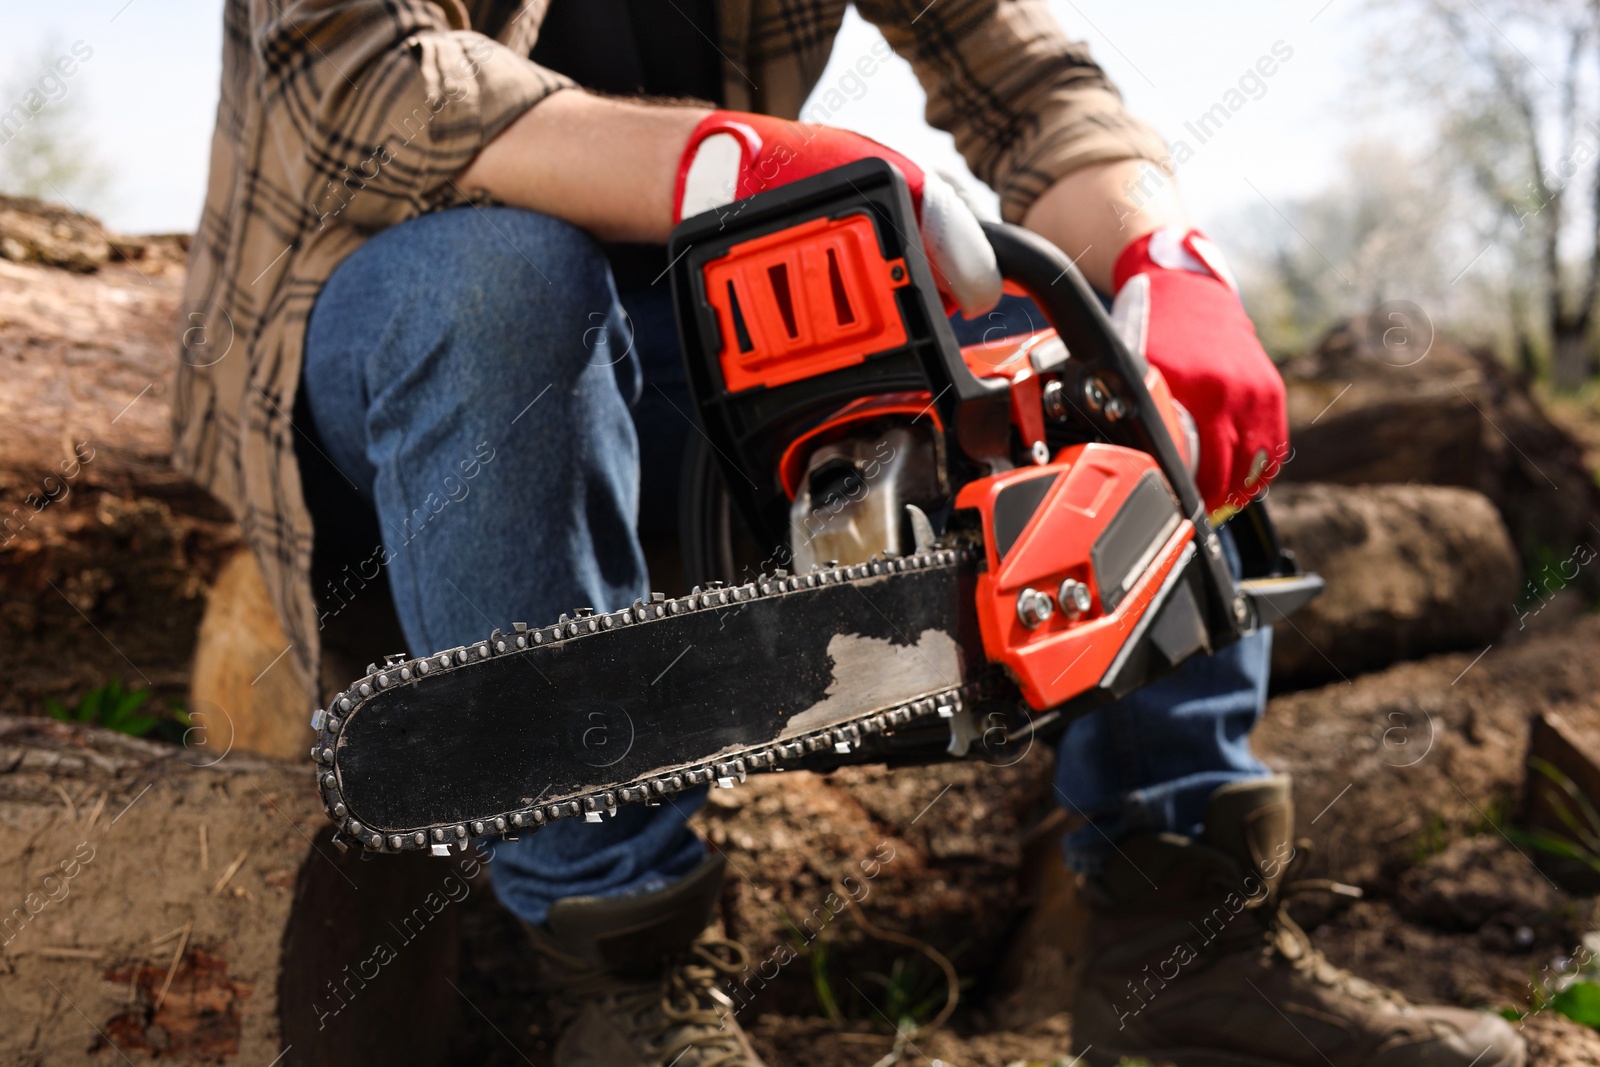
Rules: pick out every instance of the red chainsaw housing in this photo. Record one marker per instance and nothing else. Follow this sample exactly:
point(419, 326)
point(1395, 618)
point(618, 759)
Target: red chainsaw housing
point(1042, 526)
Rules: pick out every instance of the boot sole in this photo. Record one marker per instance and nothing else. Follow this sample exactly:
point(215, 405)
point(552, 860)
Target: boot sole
point(1099, 1056)
point(1184, 1057)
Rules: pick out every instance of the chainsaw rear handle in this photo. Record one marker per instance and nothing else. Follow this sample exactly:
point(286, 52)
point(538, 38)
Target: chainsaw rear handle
point(1099, 360)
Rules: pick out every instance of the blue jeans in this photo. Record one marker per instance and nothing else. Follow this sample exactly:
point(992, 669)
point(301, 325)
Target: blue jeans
point(475, 377)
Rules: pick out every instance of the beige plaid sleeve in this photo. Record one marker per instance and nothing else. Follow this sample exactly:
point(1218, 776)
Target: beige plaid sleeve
point(1025, 104)
point(374, 105)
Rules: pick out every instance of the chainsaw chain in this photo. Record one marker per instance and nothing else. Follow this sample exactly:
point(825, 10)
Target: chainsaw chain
point(725, 770)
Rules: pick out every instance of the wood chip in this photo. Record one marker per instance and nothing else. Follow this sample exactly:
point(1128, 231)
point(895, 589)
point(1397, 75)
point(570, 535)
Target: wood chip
point(177, 957)
point(233, 869)
point(72, 812)
point(99, 806)
point(205, 852)
point(168, 936)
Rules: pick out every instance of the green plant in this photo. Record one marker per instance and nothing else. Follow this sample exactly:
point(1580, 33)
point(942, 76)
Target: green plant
point(115, 708)
point(912, 993)
point(1579, 1002)
point(1576, 812)
point(1432, 839)
point(815, 953)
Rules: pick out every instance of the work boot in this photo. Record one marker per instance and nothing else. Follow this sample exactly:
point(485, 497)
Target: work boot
point(1191, 959)
point(634, 979)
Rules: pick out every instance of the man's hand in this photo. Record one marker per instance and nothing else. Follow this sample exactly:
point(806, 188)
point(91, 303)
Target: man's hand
point(1177, 304)
point(732, 155)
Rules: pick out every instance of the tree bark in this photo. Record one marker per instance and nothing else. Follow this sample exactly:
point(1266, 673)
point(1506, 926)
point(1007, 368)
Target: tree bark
point(1572, 361)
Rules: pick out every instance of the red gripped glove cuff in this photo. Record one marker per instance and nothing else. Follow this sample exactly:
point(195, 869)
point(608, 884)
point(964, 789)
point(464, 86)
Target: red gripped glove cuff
point(1184, 315)
point(1171, 249)
point(771, 152)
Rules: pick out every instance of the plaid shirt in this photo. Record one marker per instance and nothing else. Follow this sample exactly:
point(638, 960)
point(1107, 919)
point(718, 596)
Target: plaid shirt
point(341, 117)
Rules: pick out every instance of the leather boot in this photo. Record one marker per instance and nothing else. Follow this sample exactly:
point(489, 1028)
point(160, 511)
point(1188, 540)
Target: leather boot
point(634, 979)
point(1191, 959)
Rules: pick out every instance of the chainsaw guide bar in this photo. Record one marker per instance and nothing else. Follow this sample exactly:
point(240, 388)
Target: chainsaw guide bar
point(586, 716)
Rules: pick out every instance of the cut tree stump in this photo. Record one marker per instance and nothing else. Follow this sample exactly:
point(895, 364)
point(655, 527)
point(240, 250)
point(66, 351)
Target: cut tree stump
point(159, 902)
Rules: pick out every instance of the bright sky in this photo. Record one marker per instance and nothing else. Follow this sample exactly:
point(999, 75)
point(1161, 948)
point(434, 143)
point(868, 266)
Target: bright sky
point(147, 95)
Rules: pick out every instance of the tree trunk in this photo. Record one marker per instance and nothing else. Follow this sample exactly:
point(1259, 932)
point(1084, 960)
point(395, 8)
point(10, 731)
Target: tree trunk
point(1572, 359)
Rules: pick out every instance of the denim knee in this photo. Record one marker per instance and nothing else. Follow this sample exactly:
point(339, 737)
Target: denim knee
point(492, 299)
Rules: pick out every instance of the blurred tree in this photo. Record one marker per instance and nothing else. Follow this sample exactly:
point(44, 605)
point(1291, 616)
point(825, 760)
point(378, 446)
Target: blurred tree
point(1513, 85)
point(1381, 231)
point(43, 152)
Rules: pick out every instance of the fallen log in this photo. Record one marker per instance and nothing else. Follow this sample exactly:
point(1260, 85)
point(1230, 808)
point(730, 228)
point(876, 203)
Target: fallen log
point(105, 551)
point(186, 903)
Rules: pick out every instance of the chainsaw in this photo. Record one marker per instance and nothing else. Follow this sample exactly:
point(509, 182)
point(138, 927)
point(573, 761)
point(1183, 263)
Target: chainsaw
point(958, 549)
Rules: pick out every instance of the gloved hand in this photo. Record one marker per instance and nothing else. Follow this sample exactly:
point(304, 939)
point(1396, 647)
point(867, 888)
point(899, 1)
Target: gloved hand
point(732, 155)
point(1177, 304)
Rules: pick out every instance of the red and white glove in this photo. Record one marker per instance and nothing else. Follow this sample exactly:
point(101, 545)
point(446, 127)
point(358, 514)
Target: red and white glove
point(1177, 304)
point(732, 155)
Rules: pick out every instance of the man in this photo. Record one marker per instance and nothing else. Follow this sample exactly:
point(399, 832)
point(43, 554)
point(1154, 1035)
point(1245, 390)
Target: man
point(404, 234)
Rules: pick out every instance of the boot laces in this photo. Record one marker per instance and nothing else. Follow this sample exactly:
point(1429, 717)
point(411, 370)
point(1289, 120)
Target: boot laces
point(683, 1010)
point(1288, 942)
